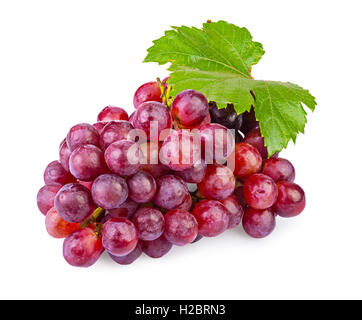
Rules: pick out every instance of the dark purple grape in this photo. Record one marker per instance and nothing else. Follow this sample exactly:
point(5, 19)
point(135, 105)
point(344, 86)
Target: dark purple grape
point(149, 223)
point(156, 248)
point(109, 191)
point(129, 258)
point(249, 121)
point(224, 116)
point(55, 173)
point(82, 134)
point(74, 203)
point(45, 197)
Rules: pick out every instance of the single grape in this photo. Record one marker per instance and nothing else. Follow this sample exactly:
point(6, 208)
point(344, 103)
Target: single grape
point(115, 131)
point(258, 223)
point(57, 227)
point(235, 209)
point(149, 91)
point(187, 204)
point(55, 173)
point(217, 142)
point(260, 191)
point(87, 162)
point(149, 223)
point(129, 258)
point(156, 248)
point(178, 151)
point(178, 125)
point(152, 117)
point(224, 116)
point(123, 157)
point(180, 227)
point(64, 154)
point(247, 160)
point(142, 187)
point(150, 161)
point(45, 197)
point(82, 248)
point(212, 217)
point(100, 125)
point(109, 191)
point(119, 236)
point(195, 174)
point(74, 203)
point(279, 169)
point(249, 121)
point(255, 139)
point(112, 113)
point(291, 199)
point(171, 192)
point(126, 210)
point(218, 183)
point(189, 107)
point(82, 134)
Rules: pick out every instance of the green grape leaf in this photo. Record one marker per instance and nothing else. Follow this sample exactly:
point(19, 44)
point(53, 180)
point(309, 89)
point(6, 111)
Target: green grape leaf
point(217, 61)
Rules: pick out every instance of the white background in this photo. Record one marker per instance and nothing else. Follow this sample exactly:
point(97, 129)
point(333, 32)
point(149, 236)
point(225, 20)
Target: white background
point(61, 62)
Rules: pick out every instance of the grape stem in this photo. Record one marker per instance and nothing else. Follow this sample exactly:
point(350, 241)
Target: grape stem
point(165, 93)
point(93, 218)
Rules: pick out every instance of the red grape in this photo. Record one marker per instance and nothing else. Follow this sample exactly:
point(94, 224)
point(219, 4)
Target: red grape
point(258, 223)
point(279, 169)
point(247, 160)
point(152, 116)
point(74, 203)
point(235, 209)
point(150, 161)
point(129, 258)
point(87, 162)
point(82, 134)
point(119, 236)
point(189, 107)
point(142, 187)
point(218, 183)
point(198, 125)
point(171, 192)
point(55, 173)
point(64, 154)
point(45, 197)
point(187, 204)
point(149, 91)
point(291, 199)
point(212, 217)
point(112, 113)
point(109, 191)
point(195, 174)
point(126, 210)
point(57, 227)
point(115, 131)
point(82, 248)
point(123, 157)
point(260, 191)
point(156, 248)
point(100, 125)
point(180, 227)
point(255, 139)
point(149, 223)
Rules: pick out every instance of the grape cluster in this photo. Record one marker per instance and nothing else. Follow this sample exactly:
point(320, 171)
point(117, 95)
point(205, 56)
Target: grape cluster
point(126, 186)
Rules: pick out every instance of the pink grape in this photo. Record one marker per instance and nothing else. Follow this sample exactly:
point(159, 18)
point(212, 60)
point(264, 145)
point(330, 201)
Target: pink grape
point(187, 204)
point(195, 174)
point(115, 131)
point(64, 154)
point(55, 173)
point(82, 134)
point(119, 236)
point(142, 187)
point(45, 197)
point(110, 113)
point(150, 161)
point(235, 209)
point(258, 223)
point(156, 248)
point(100, 125)
point(149, 91)
point(82, 248)
point(149, 223)
point(247, 160)
point(57, 227)
point(279, 169)
point(125, 210)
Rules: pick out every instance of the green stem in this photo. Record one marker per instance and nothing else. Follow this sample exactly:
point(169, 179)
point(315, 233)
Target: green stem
point(165, 93)
point(93, 218)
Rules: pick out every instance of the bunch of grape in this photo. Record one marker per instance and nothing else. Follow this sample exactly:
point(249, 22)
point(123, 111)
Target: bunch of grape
point(115, 189)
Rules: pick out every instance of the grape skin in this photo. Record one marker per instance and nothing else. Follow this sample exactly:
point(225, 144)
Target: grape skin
point(156, 248)
point(224, 116)
point(187, 204)
point(109, 191)
point(82, 134)
point(212, 217)
point(110, 113)
point(82, 248)
point(115, 131)
point(258, 223)
point(64, 154)
point(235, 209)
point(142, 187)
point(195, 174)
point(149, 223)
point(129, 258)
point(119, 236)
point(123, 157)
point(87, 162)
point(74, 202)
point(56, 226)
point(149, 91)
point(218, 183)
point(291, 199)
point(100, 125)
point(150, 161)
point(171, 192)
point(125, 210)
point(55, 173)
point(180, 227)
point(247, 160)
point(46, 195)
point(260, 191)
point(279, 169)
